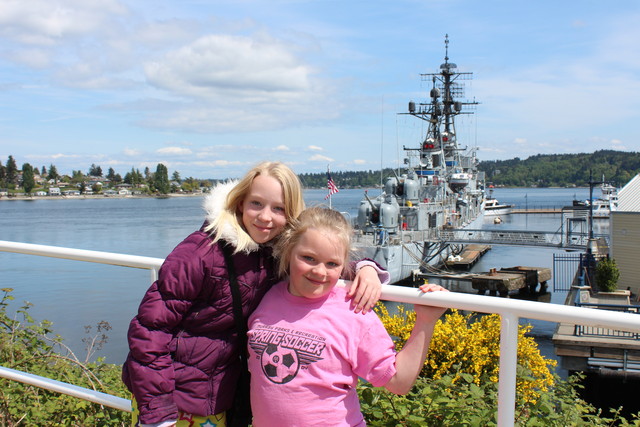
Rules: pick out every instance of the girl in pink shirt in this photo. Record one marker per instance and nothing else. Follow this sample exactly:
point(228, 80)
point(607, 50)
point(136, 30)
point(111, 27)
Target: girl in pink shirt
point(307, 349)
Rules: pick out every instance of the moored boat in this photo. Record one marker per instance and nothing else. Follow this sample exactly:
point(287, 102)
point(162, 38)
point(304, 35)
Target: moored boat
point(493, 207)
point(603, 206)
point(439, 187)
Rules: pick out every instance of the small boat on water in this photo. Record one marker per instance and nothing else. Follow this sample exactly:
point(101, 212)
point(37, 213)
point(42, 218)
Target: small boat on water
point(439, 187)
point(605, 204)
point(493, 207)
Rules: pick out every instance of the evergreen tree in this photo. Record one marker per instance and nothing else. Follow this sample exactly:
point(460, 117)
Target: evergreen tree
point(134, 177)
point(111, 175)
point(53, 174)
point(77, 176)
point(161, 179)
point(43, 172)
point(95, 170)
point(11, 171)
point(176, 177)
point(28, 180)
point(3, 175)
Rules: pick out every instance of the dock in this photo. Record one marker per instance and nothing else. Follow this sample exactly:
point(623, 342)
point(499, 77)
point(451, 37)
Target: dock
point(498, 283)
point(468, 257)
point(537, 211)
point(600, 350)
point(519, 279)
point(533, 276)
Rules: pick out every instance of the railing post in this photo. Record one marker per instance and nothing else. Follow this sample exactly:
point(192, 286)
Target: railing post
point(508, 365)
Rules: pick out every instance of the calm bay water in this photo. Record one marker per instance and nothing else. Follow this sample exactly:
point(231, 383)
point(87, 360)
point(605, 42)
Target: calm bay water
point(73, 294)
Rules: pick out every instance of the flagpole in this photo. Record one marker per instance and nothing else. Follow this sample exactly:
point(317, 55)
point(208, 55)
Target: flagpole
point(328, 188)
point(331, 187)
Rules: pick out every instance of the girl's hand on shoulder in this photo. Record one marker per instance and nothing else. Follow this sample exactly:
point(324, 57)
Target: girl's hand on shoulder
point(365, 290)
point(428, 310)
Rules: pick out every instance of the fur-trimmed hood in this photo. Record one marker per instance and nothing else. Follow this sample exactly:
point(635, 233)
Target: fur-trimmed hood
point(230, 230)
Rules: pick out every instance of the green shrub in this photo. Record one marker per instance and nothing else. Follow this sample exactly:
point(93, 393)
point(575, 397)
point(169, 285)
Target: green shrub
point(28, 346)
point(607, 275)
point(458, 386)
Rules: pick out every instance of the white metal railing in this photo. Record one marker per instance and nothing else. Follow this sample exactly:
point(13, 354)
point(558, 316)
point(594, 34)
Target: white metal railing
point(509, 310)
point(110, 258)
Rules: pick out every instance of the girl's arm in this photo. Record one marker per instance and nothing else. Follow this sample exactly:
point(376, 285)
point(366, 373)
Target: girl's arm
point(367, 285)
point(410, 359)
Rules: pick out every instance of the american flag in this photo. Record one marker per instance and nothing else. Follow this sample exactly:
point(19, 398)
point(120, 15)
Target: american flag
point(331, 186)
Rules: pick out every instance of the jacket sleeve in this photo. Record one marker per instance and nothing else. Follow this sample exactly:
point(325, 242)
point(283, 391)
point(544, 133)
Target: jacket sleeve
point(148, 370)
point(355, 266)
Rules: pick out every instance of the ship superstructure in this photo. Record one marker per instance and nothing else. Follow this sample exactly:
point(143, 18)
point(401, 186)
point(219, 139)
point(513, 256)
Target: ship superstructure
point(439, 186)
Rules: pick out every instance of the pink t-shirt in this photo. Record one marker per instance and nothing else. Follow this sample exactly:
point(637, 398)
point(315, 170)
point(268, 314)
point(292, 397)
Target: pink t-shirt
point(305, 357)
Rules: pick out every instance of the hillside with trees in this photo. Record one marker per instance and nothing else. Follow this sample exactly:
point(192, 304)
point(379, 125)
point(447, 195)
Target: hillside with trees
point(542, 170)
point(563, 170)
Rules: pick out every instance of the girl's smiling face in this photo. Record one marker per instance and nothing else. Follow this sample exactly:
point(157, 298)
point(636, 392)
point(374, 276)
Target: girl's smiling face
point(316, 264)
point(263, 209)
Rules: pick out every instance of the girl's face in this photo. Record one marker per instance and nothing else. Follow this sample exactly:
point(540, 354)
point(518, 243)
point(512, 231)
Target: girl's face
point(316, 264)
point(263, 209)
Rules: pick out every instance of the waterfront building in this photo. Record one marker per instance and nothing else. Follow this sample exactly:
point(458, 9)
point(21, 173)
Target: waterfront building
point(625, 236)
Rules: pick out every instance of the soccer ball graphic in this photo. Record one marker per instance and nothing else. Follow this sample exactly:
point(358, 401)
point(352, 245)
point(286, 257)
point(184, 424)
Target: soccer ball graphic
point(279, 364)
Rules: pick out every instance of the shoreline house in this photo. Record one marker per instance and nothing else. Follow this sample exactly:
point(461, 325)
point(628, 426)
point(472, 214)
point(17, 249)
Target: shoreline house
point(624, 236)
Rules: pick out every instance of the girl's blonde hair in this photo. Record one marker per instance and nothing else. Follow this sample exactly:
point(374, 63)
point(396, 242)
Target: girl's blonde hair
point(231, 215)
point(319, 218)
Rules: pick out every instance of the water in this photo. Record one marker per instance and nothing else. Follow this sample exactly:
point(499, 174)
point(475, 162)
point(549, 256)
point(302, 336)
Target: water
point(73, 294)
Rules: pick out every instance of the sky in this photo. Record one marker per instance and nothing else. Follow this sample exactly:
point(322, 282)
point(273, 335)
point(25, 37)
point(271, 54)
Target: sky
point(209, 88)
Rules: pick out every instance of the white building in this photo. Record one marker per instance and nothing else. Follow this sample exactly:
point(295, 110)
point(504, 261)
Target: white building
point(625, 236)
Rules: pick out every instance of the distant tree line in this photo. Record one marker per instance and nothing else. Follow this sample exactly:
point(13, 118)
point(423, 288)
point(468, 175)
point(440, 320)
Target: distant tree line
point(23, 180)
point(542, 170)
point(348, 179)
point(563, 170)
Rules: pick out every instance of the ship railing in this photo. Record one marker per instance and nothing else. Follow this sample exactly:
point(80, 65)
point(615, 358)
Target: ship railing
point(380, 236)
point(510, 311)
point(517, 237)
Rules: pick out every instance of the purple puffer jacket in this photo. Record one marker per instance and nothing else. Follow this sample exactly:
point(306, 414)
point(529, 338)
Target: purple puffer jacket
point(184, 352)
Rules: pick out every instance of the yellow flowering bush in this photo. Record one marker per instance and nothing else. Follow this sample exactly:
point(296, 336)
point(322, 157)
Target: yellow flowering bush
point(470, 344)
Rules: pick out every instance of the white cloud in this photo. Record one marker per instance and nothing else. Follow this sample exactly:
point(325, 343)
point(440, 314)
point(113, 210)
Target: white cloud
point(32, 58)
point(282, 148)
point(64, 156)
point(616, 144)
point(227, 83)
point(520, 141)
point(314, 148)
point(217, 163)
point(131, 152)
point(47, 22)
point(319, 157)
point(215, 65)
point(179, 151)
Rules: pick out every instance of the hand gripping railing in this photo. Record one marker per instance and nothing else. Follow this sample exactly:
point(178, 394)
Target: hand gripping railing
point(510, 311)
